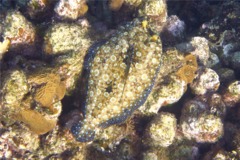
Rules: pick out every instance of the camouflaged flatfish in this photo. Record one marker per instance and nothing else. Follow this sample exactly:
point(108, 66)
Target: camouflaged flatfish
point(122, 72)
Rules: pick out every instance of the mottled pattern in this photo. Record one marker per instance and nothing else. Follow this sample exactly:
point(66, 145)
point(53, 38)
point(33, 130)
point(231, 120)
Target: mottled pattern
point(122, 74)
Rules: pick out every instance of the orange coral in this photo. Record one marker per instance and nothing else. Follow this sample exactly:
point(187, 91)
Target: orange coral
point(45, 94)
point(191, 60)
point(36, 121)
point(61, 90)
point(83, 9)
point(115, 4)
point(187, 71)
point(49, 88)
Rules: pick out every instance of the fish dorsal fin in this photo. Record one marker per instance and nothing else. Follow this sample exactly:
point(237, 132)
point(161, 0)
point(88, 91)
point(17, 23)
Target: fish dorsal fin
point(128, 60)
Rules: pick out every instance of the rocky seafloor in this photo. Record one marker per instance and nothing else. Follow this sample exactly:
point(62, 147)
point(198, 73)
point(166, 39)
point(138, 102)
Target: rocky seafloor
point(120, 79)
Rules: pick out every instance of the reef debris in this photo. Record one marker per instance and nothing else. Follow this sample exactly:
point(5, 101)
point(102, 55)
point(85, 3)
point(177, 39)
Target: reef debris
point(197, 114)
point(164, 94)
point(19, 93)
point(161, 131)
point(201, 49)
point(62, 37)
point(232, 94)
point(156, 11)
point(173, 30)
point(13, 89)
point(176, 72)
point(18, 29)
point(69, 43)
point(71, 9)
point(133, 3)
point(206, 80)
point(17, 141)
point(47, 87)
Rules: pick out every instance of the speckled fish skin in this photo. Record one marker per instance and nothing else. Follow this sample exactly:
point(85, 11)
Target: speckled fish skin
point(121, 75)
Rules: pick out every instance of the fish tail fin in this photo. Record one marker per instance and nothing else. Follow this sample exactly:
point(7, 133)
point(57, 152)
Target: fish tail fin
point(82, 134)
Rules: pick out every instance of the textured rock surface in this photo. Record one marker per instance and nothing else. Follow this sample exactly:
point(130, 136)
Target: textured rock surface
point(71, 9)
point(200, 124)
point(166, 94)
point(62, 38)
point(13, 88)
point(18, 29)
point(161, 130)
point(206, 80)
point(232, 94)
point(201, 49)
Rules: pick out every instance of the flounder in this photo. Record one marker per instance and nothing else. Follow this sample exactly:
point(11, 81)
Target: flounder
point(122, 72)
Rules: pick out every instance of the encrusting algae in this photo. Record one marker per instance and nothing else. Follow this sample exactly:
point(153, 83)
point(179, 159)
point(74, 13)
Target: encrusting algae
point(49, 88)
point(187, 71)
point(36, 121)
point(20, 92)
point(121, 75)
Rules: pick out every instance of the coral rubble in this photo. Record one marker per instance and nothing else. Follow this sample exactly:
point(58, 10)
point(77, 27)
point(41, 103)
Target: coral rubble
point(161, 131)
point(71, 9)
point(18, 29)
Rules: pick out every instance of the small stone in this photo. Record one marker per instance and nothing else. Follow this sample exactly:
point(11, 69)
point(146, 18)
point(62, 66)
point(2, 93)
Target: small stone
point(21, 138)
point(156, 10)
point(198, 123)
point(62, 38)
point(201, 49)
point(232, 95)
point(13, 89)
point(206, 80)
point(161, 130)
point(183, 149)
point(235, 60)
point(165, 95)
point(173, 30)
point(213, 61)
point(226, 75)
point(71, 9)
point(18, 29)
point(38, 8)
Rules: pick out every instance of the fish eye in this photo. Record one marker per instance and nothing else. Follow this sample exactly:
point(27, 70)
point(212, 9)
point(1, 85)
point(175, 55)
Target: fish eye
point(109, 88)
